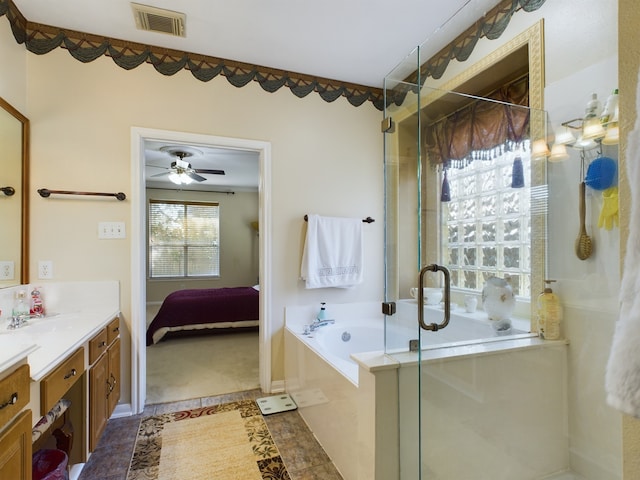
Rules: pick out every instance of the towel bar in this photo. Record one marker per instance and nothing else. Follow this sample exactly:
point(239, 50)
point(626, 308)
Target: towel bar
point(45, 193)
point(364, 220)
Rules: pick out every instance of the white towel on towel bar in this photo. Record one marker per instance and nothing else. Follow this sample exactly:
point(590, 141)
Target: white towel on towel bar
point(622, 379)
point(333, 254)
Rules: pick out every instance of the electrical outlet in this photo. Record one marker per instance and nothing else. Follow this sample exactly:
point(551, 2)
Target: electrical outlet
point(45, 269)
point(6, 270)
point(108, 230)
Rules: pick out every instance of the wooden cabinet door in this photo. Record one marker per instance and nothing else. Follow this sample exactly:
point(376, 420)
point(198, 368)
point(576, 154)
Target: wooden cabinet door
point(98, 388)
point(15, 449)
point(114, 377)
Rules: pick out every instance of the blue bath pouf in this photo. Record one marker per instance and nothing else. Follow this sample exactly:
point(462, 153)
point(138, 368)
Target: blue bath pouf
point(601, 173)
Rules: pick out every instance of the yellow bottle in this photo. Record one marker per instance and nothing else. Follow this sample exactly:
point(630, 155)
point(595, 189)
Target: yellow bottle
point(549, 313)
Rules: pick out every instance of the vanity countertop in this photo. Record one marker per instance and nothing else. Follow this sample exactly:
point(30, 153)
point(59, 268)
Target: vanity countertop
point(49, 340)
point(76, 311)
point(12, 352)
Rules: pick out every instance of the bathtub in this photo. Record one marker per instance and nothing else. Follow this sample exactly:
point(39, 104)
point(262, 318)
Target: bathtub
point(362, 402)
point(338, 343)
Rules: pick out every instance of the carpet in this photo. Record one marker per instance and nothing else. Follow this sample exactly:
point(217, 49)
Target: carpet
point(222, 442)
point(196, 367)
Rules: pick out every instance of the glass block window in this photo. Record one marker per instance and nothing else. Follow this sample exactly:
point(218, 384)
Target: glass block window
point(184, 239)
point(485, 227)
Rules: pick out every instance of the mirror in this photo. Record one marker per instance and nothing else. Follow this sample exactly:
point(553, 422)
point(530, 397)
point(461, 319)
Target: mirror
point(14, 211)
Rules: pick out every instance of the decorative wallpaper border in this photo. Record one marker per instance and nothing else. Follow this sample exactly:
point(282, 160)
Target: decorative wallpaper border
point(85, 47)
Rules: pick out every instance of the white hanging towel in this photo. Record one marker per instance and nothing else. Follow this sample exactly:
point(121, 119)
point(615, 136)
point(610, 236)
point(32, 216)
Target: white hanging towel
point(622, 379)
point(333, 254)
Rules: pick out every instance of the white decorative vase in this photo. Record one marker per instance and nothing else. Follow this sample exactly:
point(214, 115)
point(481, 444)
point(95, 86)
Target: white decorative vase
point(498, 301)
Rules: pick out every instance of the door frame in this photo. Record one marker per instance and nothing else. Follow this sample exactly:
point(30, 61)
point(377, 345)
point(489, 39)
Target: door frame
point(139, 258)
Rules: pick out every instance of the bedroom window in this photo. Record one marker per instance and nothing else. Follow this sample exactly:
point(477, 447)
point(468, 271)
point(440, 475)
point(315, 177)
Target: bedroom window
point(184, 239)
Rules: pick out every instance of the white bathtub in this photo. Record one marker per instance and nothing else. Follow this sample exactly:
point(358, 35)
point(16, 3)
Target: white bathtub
point(338, 342)
point(362, 407)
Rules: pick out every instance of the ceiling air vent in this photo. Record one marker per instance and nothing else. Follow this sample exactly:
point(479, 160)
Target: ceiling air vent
point(159, 20)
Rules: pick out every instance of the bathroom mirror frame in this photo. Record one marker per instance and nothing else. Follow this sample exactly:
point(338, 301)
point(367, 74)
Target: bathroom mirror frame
point(23, 191)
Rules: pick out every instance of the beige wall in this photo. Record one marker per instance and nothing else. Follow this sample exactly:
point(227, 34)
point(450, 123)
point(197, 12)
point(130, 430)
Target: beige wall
point(238, 242)
point(326, 159)
point(628, 66)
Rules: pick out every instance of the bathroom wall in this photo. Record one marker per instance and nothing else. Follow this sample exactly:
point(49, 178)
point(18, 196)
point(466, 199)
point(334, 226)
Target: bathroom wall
point(13, 80)
point(238, 242)
point(326, 159)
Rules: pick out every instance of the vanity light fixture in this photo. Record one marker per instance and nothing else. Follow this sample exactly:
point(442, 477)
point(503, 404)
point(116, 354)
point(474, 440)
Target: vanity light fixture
point(594, 129)
point(540, 149)
point(558, 152)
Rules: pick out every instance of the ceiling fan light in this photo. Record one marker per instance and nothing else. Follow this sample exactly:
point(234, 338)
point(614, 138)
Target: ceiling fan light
point(185, 179)
point(175, 178)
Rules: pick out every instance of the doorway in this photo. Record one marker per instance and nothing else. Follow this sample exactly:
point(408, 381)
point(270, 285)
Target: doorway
point(139, 263)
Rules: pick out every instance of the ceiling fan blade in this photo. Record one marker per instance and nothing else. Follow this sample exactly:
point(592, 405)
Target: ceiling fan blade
point(195, 176)
point(160, 174)
point(209, 172)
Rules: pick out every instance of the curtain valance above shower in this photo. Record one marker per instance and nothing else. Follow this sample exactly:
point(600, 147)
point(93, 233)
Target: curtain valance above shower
point(482, 129)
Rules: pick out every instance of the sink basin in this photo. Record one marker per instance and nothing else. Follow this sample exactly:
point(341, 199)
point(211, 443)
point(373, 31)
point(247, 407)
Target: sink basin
point(35, 325)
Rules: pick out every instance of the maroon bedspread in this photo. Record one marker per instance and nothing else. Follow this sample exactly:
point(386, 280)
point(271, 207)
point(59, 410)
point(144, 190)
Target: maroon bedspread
point(201, 306)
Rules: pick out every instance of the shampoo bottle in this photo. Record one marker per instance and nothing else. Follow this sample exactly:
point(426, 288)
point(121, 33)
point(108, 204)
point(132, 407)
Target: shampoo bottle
point(549, 313)
point(610, 112)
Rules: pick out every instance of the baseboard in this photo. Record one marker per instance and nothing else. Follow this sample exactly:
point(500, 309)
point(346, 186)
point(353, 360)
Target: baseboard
point(277, 386)
point(122, 410)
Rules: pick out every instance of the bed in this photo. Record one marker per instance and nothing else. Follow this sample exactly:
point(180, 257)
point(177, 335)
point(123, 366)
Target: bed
point(205, 310)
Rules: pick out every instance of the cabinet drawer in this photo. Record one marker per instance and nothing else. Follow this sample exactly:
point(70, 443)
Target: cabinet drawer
point(113, 330)
point(14, 393)
point(98, 345)
point(55, 385)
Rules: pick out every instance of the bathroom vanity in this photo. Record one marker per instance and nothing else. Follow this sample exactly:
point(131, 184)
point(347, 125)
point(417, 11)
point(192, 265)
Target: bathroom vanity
point(59, 374)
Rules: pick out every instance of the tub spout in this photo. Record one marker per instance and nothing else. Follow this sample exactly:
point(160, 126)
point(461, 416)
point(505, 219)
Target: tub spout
point(320, 323)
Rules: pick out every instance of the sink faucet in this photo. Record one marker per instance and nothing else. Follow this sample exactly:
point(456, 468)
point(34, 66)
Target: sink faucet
point(316, 325)
point(17, 321)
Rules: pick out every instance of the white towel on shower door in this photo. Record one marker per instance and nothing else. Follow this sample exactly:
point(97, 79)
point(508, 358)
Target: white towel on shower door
point(622, 379)
point(333, 254)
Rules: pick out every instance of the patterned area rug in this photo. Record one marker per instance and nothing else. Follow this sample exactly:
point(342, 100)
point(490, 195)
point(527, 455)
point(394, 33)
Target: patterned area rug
point(222, 442)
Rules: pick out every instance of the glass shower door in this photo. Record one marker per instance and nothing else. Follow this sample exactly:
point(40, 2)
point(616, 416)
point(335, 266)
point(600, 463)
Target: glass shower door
point(463, 415)
point(403, 239)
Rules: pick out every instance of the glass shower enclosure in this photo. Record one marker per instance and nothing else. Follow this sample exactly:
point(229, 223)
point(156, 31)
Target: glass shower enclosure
point(475, 402)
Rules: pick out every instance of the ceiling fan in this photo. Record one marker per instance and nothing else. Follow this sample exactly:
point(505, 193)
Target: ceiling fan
point(181, 171)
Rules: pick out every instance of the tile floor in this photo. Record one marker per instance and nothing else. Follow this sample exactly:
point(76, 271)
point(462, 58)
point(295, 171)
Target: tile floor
point(303, 456)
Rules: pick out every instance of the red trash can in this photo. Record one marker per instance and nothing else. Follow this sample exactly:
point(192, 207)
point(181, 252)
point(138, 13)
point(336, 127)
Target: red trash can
point(50, 465)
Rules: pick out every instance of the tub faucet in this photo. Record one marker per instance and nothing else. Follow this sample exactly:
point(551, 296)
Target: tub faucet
point(317, 324)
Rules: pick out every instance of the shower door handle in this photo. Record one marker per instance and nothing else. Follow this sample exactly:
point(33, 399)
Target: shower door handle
point(447, 298)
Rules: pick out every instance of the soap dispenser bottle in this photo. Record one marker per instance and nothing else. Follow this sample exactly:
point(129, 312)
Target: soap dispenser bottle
point(322, 314)
point(549, 313)
point(20, 306)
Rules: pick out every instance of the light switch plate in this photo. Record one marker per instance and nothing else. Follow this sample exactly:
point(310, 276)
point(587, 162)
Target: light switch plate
point(108, 230)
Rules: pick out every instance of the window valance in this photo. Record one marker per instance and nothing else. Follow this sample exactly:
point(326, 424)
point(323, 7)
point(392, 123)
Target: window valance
point(482, 129)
